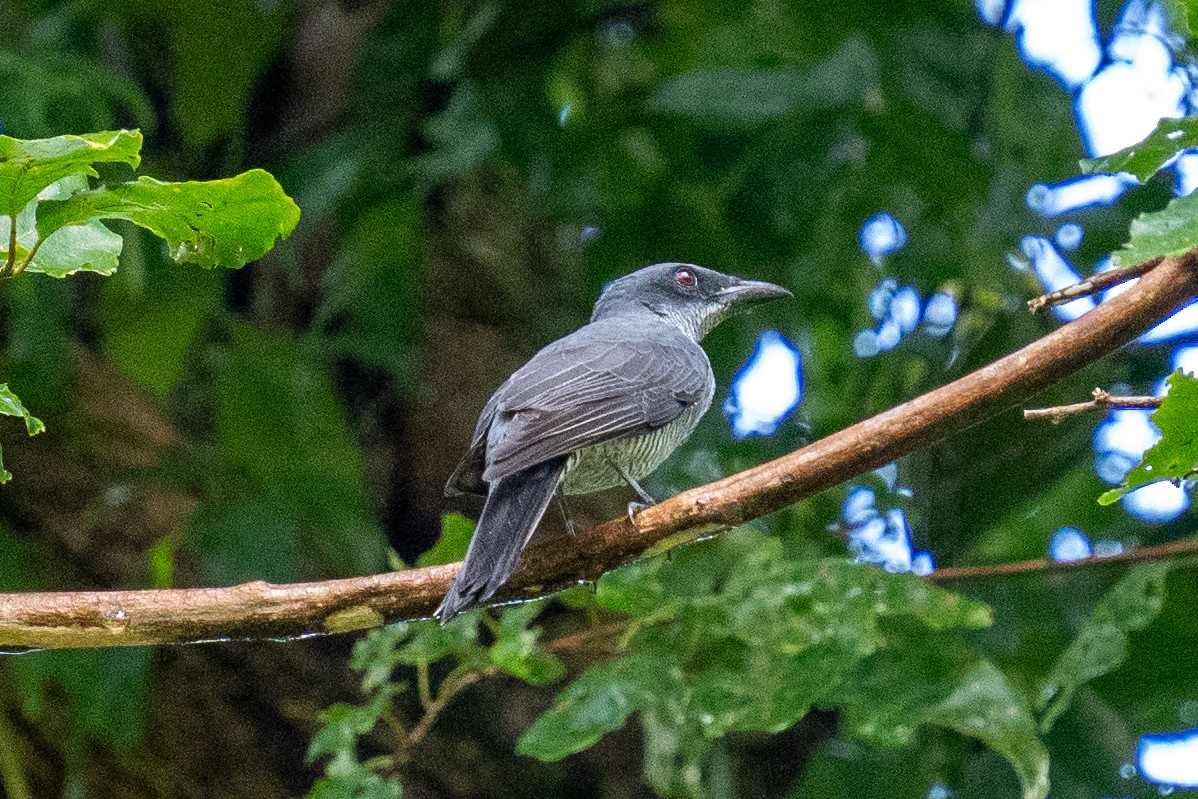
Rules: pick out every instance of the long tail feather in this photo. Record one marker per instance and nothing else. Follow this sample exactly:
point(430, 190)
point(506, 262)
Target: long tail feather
point(513, 510)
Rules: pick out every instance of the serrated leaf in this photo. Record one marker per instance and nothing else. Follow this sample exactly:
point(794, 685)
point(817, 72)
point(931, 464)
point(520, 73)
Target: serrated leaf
point(344, 724)
point(1152, 154)
point(428, 641)
point(1101, 645)
point(29, 165)
point(1171, 231)
point(1175, 456)
point(750, 643)
point(217, 223)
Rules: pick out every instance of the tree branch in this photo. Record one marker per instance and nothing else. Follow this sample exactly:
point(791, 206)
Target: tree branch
point(1103, 401)
point(262, 610)
point(1092, 285)
point(1187, 546)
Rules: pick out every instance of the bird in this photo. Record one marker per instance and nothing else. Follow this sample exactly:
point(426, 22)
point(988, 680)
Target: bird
point(601, 407)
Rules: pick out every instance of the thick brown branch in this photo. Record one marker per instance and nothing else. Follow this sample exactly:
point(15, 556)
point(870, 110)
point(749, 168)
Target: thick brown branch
point(1103, 401)
point(261, 610)
point(1092, 285)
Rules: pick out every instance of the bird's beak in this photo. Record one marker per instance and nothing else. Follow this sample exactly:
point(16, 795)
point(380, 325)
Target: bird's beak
point(751, 292)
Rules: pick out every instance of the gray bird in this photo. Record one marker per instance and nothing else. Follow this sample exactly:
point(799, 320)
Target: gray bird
point(599, 408)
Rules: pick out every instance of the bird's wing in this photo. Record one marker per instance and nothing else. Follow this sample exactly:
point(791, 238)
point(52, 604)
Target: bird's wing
point(592, 386)
point(467, 478)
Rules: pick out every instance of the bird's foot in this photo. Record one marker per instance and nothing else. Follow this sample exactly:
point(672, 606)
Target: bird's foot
point(635, 507)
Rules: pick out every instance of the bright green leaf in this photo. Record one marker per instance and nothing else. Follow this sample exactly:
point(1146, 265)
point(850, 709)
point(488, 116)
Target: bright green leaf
point(90, 247)
point(1152, 154)
point(29, 165)
point(1171, 231)
point(211, 223)
point(1101, 646)
point(10, 405)
point(1175, 456)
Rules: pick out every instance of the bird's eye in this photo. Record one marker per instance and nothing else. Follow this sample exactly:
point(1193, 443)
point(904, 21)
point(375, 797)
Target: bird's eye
point(685, 278)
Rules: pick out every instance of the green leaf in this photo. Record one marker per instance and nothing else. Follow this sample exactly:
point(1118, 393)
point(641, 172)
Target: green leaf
point(737, 637)
point(343, 724)
point(1171, 231)
point(1101, 646)
point(1175, 456)
point(516, 652)
point(456, 531)
point(599, 701)
point(427, 642)
point(927, 679)
point(90, 247)
point(217, 223)
point(1152, 154)
point(29, 165)
point(10, 405)
point(986, 707)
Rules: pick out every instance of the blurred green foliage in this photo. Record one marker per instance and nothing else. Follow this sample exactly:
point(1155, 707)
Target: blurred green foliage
point(471, 174)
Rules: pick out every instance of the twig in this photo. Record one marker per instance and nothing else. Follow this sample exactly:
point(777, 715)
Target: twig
point(1188, 546)
point(444, 695)
point(1103, 401)
point(1092, 285)
point(585, 637)
point(261, 610)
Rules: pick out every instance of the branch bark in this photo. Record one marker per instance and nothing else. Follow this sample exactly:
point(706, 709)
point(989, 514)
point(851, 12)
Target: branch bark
point(1092, 285)
point(1103, 401)
point(261, 610)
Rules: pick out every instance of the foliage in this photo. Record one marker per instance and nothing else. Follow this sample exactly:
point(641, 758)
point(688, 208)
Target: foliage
point(10, 405)
point(1101, 645)
point(53, 226)
point(471, 175)
point(1150, 156)
point(514, 650)
point(736, 637)
point(1175, 456)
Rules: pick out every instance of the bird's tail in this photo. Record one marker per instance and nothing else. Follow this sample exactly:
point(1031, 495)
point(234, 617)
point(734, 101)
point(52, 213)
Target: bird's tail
point(515, 505)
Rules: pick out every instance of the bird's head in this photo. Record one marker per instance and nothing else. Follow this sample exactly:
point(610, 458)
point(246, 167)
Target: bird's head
point(693, 298)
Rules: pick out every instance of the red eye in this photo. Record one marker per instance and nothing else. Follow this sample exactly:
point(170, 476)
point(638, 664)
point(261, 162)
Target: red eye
point(685, 278)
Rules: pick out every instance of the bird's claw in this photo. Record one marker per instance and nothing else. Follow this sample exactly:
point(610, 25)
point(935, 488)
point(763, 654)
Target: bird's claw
point(635, 507)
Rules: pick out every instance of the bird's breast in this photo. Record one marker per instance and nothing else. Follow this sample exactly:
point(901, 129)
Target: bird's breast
point(594, 468)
